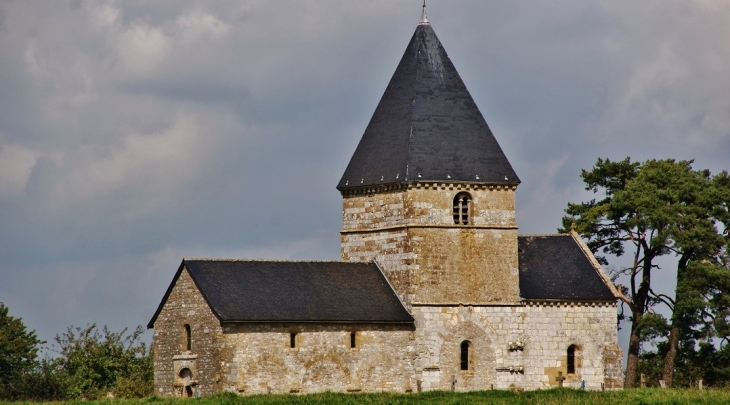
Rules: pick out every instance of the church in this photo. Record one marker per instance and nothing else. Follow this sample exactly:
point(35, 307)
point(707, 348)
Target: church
point(435, 289)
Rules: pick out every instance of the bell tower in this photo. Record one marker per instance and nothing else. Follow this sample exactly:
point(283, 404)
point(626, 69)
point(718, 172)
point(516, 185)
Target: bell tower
point(428, 194)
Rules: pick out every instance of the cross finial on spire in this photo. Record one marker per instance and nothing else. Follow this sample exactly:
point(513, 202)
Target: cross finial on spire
point(424, 19)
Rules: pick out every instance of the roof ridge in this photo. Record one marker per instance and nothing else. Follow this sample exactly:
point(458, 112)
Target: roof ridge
point(596, 265)
point(413, 110)
point(223, 259)
point(542, 234)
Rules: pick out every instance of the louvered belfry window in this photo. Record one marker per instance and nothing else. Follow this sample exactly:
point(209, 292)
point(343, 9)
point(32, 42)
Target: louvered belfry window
point(462, 202)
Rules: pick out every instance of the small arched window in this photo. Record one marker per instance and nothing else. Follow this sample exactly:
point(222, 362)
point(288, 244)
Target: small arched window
point(188, 343)
point(293, 340)
point(353, 340)
point(462, 201)
point(466, 355)
point(571, 358)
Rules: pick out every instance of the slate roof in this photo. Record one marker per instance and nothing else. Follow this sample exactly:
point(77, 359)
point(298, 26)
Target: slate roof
point(294, 291)
point(554, 267)
point(427, 127)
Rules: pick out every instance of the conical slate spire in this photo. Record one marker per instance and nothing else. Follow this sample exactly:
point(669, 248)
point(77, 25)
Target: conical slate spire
point(427, 127)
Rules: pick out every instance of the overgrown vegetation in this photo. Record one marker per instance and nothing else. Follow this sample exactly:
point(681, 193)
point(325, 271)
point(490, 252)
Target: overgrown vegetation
point(87, 363)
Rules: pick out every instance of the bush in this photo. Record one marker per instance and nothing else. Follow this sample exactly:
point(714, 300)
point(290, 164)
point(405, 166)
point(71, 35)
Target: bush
point(95, 363)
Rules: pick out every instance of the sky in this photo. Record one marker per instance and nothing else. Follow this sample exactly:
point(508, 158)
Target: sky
point(136, 133)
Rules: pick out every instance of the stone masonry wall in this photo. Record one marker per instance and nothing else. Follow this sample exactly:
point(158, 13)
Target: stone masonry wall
point(465, 266)
point(546, 331)
point(427, 204)
point(257, 358)
point(375, 211)
point(185, 305)
point(411, 234)
point(391, 249)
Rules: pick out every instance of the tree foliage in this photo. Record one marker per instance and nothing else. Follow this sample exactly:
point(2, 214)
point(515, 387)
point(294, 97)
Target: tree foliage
point(653, 209)
point(18, 352)
point(88, 364)
point(94, 363)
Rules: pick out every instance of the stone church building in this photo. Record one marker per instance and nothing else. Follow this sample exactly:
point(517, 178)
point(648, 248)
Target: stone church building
point(435, 289)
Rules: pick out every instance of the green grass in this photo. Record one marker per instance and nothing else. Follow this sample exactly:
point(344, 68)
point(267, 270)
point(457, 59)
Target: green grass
point(647, 396)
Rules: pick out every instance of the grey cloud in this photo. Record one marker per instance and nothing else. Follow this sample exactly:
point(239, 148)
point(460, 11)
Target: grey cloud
point(182, 128)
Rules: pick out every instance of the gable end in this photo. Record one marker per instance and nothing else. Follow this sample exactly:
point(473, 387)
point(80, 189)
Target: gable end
point(183, 266)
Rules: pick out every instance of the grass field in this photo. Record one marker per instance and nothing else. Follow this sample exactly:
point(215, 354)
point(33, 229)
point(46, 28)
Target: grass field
point(547, 397)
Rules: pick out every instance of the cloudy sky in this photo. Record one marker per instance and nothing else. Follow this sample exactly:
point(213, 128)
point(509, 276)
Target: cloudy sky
point(136, 133)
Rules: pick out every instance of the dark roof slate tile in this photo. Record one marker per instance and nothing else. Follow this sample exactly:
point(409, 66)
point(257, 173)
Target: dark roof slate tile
point(427, 127)
point(294, 291)
point(554, 267)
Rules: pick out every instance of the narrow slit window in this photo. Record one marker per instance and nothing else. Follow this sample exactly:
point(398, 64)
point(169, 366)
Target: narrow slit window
point(353, 340)
point(462, 201)
point(465, 355)
point(188, 343)
point(571, 359)
point(293, 340)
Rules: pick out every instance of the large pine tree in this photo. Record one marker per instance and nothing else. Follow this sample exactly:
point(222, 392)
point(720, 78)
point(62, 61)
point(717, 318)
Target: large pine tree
point(648, 210)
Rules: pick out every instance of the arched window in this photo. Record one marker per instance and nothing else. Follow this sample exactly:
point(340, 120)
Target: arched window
point(188, 343)
point(293, 340)
point(466, 355)
point(353, 340)
point(462, 201)
point(571, 358)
